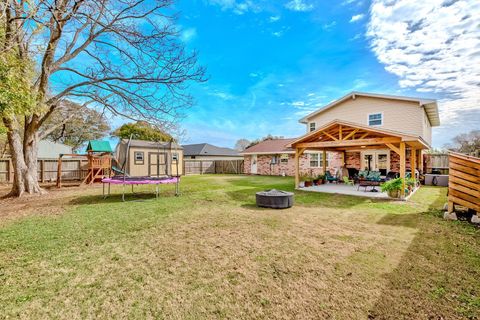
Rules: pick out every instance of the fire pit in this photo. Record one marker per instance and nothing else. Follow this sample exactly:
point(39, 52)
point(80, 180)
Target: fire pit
point(276, 199)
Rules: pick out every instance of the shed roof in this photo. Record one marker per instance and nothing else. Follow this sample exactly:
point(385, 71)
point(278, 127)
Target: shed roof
point(273, 146)
point(99, 146)
point(151, 144)
point(206, 149)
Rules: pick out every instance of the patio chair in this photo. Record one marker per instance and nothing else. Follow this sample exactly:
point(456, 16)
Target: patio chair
point(329, 177)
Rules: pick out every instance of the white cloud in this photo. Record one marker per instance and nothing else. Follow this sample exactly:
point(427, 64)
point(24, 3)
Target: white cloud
point(298, 103)
point(357, 17)
point(329, 26)
point(299, 5)
point(237, 7)
point(188, 34)
point(274, 18)
point(432, 47)
point(277, 34)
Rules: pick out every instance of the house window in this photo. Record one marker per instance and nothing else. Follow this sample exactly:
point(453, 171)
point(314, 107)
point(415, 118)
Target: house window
point(139, 157)
point(375, 119)
point(175, 156)
point(284, 158)
point(312, 126)
point(316, 160)
point(275, 160)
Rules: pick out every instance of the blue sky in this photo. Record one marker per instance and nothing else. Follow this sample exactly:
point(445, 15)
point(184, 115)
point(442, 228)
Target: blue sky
point(270, 62)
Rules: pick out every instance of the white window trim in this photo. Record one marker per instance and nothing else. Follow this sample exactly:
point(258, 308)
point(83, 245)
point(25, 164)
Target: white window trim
point(310, 126)
point(320, 161)
point(374, 125)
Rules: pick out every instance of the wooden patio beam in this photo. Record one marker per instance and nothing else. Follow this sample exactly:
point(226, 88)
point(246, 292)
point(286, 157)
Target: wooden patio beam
point(329, 135)
point(392, 147)
point(350, 134)
point(349, 143)
point(364, 135)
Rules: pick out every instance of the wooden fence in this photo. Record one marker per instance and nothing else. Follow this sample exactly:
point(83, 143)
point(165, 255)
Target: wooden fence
point(72, 169)
point(213, 166)
point(438, 161)
point(464, 182)
point(76, 169)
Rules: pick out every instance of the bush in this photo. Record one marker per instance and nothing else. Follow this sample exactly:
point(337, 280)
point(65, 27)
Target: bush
point(392, 185)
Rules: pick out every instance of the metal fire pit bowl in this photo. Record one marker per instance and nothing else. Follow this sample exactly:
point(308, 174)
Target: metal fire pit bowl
point(276, 199)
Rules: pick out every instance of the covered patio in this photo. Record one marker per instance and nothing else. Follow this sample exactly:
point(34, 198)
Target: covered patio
point(341, 136)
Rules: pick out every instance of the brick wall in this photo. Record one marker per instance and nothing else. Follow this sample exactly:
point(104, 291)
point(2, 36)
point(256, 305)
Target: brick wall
point(264, 166)
point(352, 160)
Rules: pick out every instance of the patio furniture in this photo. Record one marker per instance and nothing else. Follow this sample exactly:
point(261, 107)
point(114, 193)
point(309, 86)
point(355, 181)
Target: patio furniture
point(348, 181)
point(372, 179)
point(329, 177)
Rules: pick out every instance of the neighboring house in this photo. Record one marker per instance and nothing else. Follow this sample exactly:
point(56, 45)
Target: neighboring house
point(272, 157)
point(206, 151)
point(148, 158)
point(51, 150)
point(395, 114)
point(410, 118)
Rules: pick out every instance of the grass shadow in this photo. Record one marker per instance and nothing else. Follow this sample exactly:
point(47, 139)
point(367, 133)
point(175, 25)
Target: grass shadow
point(438, 275)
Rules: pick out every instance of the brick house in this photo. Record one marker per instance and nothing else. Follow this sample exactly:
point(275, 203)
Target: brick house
point(272, 157)
point(360, 131)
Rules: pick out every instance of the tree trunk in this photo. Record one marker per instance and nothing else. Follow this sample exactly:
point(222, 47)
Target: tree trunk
point(24, 160)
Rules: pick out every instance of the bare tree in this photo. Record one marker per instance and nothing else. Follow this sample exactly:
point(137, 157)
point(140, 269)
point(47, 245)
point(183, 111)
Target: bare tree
point(468, 143)
point(122, 55)
point(242, 144)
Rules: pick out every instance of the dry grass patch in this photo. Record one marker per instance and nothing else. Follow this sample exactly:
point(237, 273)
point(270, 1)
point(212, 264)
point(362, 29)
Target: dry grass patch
point(212, 254)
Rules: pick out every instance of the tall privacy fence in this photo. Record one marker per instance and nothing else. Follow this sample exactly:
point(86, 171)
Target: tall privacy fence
point(213, 166)
point(77, 169)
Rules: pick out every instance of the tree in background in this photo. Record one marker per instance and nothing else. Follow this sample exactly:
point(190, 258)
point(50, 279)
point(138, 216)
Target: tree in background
point(242, 144)
point(82, 127)
point(122, 56)
point(467, 143)
point(141, 130)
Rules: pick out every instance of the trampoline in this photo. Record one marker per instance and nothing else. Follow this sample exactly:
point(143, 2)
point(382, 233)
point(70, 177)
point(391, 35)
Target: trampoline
point(124, 179)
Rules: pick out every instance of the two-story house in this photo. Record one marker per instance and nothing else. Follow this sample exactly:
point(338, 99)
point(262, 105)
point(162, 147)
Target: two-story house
point(371, 131)
point(360, 130)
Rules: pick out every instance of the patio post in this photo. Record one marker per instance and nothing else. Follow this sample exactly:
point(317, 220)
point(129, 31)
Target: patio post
point(297, 168)
point(413, 162)
point(324, 161)
point(402, 167)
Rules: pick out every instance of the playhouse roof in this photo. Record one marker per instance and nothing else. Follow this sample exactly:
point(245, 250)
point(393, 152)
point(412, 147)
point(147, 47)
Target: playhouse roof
point(99, 146)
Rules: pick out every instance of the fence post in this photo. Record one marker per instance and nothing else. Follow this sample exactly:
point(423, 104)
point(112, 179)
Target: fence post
point(201, 167)
point(42, 171)
point(10, 171)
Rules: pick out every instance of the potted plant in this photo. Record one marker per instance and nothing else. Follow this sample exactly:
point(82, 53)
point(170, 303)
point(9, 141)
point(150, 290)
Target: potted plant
point(316, 181)
point(393, 187)
point(303, 178)
point(308, 181)
point(321, 178)
point(410, 182)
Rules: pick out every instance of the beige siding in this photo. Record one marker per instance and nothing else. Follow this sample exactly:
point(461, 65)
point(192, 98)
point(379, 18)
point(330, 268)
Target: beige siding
point(427, 129)
point(402, 116)
point(142, 169)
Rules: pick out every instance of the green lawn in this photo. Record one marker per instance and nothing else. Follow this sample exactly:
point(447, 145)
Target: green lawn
point(210, 253)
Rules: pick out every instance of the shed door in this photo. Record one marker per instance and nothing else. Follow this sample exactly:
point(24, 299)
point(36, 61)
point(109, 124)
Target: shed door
point(157, 165)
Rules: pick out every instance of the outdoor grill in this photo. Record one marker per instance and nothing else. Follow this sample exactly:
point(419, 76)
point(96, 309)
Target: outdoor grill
point(276, 199)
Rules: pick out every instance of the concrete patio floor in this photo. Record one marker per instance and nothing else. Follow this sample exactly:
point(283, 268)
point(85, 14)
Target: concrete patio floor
point(341, 188)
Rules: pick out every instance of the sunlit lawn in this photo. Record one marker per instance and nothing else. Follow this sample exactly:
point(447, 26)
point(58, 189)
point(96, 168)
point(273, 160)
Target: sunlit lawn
point(210, 253)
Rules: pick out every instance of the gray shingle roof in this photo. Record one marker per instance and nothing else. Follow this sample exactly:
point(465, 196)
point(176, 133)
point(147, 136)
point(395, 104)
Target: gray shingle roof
point(206, 149)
